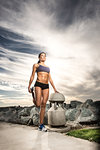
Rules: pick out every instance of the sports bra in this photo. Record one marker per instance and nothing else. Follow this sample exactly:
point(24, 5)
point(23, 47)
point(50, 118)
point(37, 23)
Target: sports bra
point(43, 69)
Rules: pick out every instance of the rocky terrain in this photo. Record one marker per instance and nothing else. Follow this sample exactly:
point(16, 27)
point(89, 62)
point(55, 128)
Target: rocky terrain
point(76, 113)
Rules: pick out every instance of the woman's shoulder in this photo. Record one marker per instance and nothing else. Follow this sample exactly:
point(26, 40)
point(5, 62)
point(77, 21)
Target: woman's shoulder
point(36, 65)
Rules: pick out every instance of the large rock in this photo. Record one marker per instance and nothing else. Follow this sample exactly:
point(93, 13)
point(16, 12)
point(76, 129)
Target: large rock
point(96, 104)
point(88, 102)
point(24, 112)
point(76, 113)
point(67, 106)
point(73, 124)
point(34, 111)
point(87, 112)
point(72, 114)
point(24, 119)
point(57, 97)
point(75, 103)
point(34, 115)
point(36, 119)
point(86, 115)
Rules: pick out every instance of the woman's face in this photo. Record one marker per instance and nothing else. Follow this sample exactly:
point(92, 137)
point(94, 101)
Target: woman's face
point(42, 57)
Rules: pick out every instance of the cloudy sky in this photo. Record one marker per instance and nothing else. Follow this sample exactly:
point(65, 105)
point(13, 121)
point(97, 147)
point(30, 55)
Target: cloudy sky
point(67, 30)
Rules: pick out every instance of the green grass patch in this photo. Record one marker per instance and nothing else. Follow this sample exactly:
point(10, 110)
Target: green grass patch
point(87, 134)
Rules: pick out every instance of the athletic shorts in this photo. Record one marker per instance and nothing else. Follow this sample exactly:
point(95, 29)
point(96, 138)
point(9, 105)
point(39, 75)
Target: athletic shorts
point(41, 85)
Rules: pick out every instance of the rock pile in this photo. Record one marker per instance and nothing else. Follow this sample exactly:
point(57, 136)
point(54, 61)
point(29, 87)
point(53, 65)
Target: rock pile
point(76, 113)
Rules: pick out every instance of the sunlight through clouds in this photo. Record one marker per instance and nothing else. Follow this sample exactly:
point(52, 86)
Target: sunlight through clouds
point(69, 34)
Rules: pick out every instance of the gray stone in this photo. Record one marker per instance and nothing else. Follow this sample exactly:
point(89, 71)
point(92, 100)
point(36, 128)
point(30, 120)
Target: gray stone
point(67, 106)
point(72, 114)
point(25, 119)
point(88, 102)
point(24, 112)
point(36, 119)
point(34, 111)
point(75, 103)
point(47, 107)
point(96, 104)
point(86, 115)
point(57, 97)
point(74, 124)
point(46, 118)
point(88, 119)
point(85, 112)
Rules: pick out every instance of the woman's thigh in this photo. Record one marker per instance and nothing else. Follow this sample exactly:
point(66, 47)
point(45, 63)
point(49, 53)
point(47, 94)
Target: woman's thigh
point(38, 95)
point(45, 94)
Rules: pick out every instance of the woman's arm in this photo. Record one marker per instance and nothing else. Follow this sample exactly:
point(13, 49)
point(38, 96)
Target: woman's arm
point(32, 77)
point(51, 82)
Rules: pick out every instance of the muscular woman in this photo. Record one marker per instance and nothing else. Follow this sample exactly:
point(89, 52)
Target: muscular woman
point(41, 87)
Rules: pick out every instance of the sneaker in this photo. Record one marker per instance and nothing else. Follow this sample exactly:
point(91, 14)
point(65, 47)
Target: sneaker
point(42, 128)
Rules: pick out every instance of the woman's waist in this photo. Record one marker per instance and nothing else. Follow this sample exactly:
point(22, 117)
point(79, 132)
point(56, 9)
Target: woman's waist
point(42, 81)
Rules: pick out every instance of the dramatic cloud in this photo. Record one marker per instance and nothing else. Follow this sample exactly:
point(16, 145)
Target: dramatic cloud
point(67, 30)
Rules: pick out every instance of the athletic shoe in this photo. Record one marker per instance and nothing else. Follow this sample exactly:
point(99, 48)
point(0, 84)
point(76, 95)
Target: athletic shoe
point(42, 128)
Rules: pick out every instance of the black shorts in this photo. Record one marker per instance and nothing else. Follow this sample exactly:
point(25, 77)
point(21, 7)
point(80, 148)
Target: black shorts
point(41, 85)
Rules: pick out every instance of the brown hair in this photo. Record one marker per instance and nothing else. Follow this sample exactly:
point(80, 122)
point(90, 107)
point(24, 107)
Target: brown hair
point(40, 55)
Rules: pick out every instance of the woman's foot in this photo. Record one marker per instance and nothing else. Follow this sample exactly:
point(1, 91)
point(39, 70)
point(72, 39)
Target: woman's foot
point(42, 128)
point(32, 90)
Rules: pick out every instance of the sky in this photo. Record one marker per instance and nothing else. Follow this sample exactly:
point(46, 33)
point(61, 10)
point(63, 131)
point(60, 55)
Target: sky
point(67, 30)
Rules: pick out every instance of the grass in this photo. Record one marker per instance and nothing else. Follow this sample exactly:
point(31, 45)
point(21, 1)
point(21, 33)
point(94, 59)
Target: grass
point(87, 134)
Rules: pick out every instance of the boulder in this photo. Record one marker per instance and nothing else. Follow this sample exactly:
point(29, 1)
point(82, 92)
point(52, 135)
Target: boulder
point(67, 106)
point(57, 97)
point(72, 114)
point(96, 104)
point(76, 112)
point(46, 118)
point(75, 103)
point(24, 119)
point(34, 111)
point(87, 116)
point(73, 124)
point(35, 119)
point(24, 112)
point(87, 103)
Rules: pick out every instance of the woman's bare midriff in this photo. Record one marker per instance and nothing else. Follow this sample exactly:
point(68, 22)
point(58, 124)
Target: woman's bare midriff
point(42, 77)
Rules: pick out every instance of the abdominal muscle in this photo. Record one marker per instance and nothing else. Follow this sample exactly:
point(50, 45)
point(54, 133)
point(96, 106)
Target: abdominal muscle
point(42, 77)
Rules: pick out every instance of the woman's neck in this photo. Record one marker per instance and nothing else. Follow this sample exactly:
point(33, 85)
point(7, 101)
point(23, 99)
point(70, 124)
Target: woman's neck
point(42, 63)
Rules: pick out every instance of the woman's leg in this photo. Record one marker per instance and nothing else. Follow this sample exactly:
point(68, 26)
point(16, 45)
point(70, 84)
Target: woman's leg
point(45, 93)
point(38, 96)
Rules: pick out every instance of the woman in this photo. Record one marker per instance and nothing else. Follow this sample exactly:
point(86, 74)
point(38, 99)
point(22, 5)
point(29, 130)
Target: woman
point(41, 86)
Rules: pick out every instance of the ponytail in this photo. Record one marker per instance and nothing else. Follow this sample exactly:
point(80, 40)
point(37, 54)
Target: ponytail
point(38, 61)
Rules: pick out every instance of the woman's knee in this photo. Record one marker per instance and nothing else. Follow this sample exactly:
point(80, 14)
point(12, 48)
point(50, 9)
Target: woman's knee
point(38, 104)
point(43, 104)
